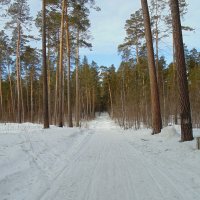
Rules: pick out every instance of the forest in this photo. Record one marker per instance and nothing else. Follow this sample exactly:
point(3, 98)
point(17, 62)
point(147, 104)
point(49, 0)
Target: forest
point(75, 128)
point(54, 85)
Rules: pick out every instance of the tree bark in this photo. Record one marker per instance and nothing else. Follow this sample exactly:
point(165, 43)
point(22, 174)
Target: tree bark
point(45, 81)
point(21, 91)
point(185, 113)
point(27, 96)
point(49, 80)
point(77, 80)
point(93, 102)
point(70, 124)
point(87, 103)
point(11, 92)
point(56, 94)
point(111, 101)
point(31, 96)
point(1, 96)
point(19, 102)
point(155, 102)
point(60, 120)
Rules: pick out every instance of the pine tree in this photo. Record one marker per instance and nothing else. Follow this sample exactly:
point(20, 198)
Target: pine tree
point(60, 123)
point(20, 15)
point(135, 34)
point(45, 82)
point(30, 61)
point(155, 103)
point(68, 45)
point(185, 113)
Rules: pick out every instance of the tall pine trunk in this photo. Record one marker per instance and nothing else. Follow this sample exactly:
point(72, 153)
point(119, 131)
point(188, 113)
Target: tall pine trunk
point(155, 102)
point(111, 101)
point(31, 95)
point(93, 102)
point(19, 101)
point(49, 79)
point(185, 113)
point(56, 93)
point(11, 93)
point(77, 80)
point(70, 124)
point(1, 96)
point(60, 119)
point(45, 81)
point(27, 95)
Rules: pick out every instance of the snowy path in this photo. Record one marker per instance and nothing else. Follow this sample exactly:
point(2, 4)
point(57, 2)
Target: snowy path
point(106, 163)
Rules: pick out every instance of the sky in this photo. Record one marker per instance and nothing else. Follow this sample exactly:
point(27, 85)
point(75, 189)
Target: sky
point(107, 29)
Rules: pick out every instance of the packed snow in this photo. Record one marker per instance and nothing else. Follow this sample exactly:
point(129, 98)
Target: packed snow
point(97, 162)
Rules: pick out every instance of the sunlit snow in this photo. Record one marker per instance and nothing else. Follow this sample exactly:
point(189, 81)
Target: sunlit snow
point(98, 162)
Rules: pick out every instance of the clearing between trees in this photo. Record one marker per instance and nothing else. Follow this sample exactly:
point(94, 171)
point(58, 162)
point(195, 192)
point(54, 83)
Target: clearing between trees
point(98, 162)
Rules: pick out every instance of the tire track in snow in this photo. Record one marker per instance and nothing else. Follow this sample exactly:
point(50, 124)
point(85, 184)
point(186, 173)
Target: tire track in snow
point(73, 158)
point(185, 175)
point(165, 176)
point(66, 187)
point(141, 176)
point(88, 191)
point(126, 163)
point(108, 175)
point(184, 186)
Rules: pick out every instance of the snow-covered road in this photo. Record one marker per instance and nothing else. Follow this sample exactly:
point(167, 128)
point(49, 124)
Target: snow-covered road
point(101, 162)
